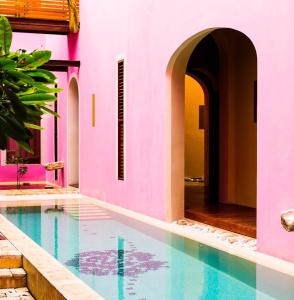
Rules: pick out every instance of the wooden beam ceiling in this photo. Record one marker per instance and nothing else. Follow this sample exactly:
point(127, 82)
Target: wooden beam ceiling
point(39, 26)
point(61, 65)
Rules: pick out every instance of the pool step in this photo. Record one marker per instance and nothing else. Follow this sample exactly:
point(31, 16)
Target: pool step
point(9, 257)
point(86, 212)
point(11, 273)
point(13, 278)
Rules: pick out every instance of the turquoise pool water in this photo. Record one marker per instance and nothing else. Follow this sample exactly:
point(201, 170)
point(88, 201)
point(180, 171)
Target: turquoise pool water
point(122, 258)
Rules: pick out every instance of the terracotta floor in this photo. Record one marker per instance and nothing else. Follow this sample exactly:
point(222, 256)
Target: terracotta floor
point(239, 219)
point(76, 185)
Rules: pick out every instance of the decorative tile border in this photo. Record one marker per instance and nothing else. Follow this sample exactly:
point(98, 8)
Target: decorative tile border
point(47, 278)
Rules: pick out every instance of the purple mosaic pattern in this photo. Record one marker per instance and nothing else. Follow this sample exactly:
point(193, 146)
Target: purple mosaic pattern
point(126, 264)
point(105, 263)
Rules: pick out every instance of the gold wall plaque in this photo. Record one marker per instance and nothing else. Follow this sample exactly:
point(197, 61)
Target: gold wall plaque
point(93, 110)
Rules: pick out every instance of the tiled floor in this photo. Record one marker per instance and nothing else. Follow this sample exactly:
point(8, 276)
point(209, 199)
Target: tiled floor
point(239, 219)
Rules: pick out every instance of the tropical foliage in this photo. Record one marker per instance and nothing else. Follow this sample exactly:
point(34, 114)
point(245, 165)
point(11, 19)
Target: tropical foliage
point(26, 90)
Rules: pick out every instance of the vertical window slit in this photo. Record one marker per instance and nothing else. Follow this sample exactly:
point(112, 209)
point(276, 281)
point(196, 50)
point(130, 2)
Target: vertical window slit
point(120, 96)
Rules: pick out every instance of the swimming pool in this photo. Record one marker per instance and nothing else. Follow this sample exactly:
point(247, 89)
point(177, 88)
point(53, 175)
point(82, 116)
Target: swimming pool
point(122, 258)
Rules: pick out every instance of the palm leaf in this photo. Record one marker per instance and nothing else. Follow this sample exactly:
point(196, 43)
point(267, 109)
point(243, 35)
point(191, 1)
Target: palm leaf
point(7, 64)
point(43, 88)
point(49, 111)
point(21, 76)
point(18, 107)
point(5, 36)
point(42, 75)
point(33, 126)
point(43, 97)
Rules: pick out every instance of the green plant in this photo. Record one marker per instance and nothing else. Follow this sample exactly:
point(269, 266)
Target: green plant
point(26, 90)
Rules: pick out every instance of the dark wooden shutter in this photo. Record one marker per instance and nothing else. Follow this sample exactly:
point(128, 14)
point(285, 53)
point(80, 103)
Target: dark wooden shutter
point(120, 96)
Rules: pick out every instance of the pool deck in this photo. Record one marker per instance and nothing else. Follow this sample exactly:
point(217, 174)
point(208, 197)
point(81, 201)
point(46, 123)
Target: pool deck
point(37, 192)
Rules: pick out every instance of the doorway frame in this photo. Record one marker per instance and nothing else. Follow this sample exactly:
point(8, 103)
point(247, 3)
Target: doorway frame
point(73, 77)
point(175, 74)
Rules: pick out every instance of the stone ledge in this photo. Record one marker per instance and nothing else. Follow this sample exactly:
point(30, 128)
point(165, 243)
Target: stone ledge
point(12, 278)
point(9, 256)
point(227, 237)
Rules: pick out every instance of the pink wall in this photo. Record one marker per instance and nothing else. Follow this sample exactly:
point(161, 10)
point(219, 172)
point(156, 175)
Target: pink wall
point(35, 173)
point(58, 45)
point(147, 34)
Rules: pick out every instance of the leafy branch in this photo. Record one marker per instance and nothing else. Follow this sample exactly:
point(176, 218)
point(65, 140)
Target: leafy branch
point(26, 90)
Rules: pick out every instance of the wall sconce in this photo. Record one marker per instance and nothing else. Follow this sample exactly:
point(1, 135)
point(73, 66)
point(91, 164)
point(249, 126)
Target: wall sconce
point(93, 110)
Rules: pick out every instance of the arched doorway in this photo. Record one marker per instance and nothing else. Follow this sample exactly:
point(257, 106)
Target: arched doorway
point(223, 61)
point(73, 177)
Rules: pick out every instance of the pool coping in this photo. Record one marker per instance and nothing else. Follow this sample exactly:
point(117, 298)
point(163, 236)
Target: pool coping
point(45, 273)
point(255, 256)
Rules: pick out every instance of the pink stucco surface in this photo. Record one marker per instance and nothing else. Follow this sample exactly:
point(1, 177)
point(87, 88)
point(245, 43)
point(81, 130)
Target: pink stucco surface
point(146, 34)
point(35, 173)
